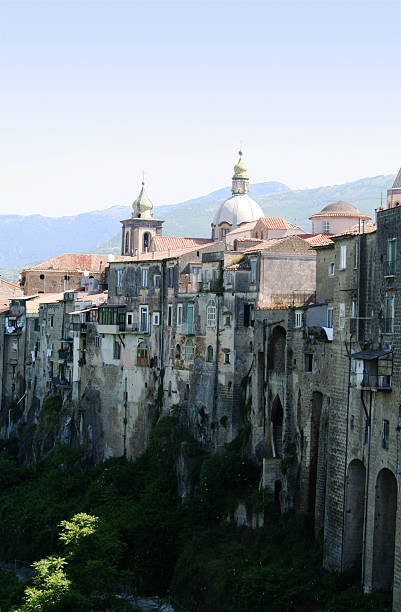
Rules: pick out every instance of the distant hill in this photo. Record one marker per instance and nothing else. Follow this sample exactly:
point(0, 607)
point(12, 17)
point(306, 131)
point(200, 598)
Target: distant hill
point(195, 216)
point(30, 239)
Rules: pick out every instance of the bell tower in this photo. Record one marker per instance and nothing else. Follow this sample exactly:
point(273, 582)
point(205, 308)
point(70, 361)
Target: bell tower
point(138, 231)
point(394, 194)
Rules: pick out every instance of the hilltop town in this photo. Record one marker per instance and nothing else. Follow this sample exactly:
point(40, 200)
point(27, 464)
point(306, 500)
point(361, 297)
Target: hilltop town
point(264, 330)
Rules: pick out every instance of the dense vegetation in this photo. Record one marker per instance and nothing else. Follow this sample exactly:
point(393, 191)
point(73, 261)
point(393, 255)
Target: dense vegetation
point(120, 527)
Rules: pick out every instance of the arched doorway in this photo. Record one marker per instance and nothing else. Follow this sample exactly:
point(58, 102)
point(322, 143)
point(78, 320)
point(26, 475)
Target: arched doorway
point(384, 530)
point(354, 513)
point(276, 350)
point(277, 427)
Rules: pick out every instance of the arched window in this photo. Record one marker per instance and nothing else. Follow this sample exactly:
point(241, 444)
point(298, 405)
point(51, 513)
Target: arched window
point(211, 314)
point(146, 242)
point(178, 351)
point(126, 243)
point(142, 354)
point(189, 350)
point(209, 353)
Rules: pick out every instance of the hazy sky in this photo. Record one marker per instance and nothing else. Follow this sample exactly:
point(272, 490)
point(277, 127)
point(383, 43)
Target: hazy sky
point(93, 92)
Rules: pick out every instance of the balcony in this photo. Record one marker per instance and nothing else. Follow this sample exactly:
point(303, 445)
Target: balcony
point(389, 267)
point(186, 329)
point(116, 328)
point(376, 382)
point(80, 327)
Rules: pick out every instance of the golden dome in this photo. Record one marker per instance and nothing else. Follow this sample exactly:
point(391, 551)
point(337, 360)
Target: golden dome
point(142, 207)
point(240, 170)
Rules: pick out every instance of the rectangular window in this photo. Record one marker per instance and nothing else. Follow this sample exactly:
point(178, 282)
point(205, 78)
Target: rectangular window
point(156, 318)
point(157, 281)
point(227, 320)
point(51, 320)
point(226, 357)
point(143, 316)
point(205, 276)
point(330, 317)
point(298, 318)
point(36, 325)
point(119, 278)
point(385, 433)
point(341, 316)
point(144, 277)
point(253, 271)
point(116, 350)
point(97, 341)
point(308, 362)
point(343, 257)
point(169, 315)
point(229, 278)
point(170, 276)
point(179, 314)
point(211, 314)
point(389, 314)
point(354, 314)
point(391, 256)
point(331, 269)
point(247, 315)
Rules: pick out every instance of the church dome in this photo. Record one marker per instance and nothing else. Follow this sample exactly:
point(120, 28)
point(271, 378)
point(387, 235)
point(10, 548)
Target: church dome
point(340, 209)
point(238, 209)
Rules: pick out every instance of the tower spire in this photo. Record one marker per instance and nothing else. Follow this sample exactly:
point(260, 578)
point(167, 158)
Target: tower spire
point(240, 179)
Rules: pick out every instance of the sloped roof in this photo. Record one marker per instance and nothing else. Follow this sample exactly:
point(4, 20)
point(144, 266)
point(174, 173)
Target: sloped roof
point(74, 261)
point(287, 244)
point(32, 305)
point(317, 239)
point(356, 229)
point(164, 243)
point(244, 227)
point(397, 182)
point(276, 223)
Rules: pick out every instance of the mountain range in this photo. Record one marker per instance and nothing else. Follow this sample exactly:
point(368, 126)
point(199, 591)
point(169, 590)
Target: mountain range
point(26, 240)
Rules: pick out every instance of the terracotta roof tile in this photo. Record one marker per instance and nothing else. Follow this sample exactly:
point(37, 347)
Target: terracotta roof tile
point(74, 261)
point(163, 243)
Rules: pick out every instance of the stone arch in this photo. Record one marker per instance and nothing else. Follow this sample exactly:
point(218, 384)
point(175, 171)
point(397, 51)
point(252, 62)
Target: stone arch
point(354, 513)
point(276, 350)
point(317, 402)
point(384, 530)
point(277, 427)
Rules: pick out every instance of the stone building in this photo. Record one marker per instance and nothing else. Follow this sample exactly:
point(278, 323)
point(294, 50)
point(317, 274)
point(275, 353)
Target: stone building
point(299, 333)
point(66, 272)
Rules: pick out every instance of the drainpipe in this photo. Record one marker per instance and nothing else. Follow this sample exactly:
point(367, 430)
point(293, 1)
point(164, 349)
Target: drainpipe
point(346, 453)
point(216, 360)
point(365, 514)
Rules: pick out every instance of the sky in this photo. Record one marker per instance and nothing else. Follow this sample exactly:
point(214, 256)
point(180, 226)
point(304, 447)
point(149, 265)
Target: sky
point(92, 93)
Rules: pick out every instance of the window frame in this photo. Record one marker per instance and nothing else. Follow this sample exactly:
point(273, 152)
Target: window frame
point(331, 268)
point(343, 257)
point(211, 315)
point(144, 308)
point(144, 277)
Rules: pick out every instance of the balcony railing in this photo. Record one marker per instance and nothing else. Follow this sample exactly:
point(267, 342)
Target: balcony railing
point(188, 329)
point(389, 268)
point(380, 382)
point(388, 325)
point(79, 327)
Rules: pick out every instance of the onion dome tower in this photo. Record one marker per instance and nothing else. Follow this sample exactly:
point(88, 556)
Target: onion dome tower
point(238, 209)
point(138, 231)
